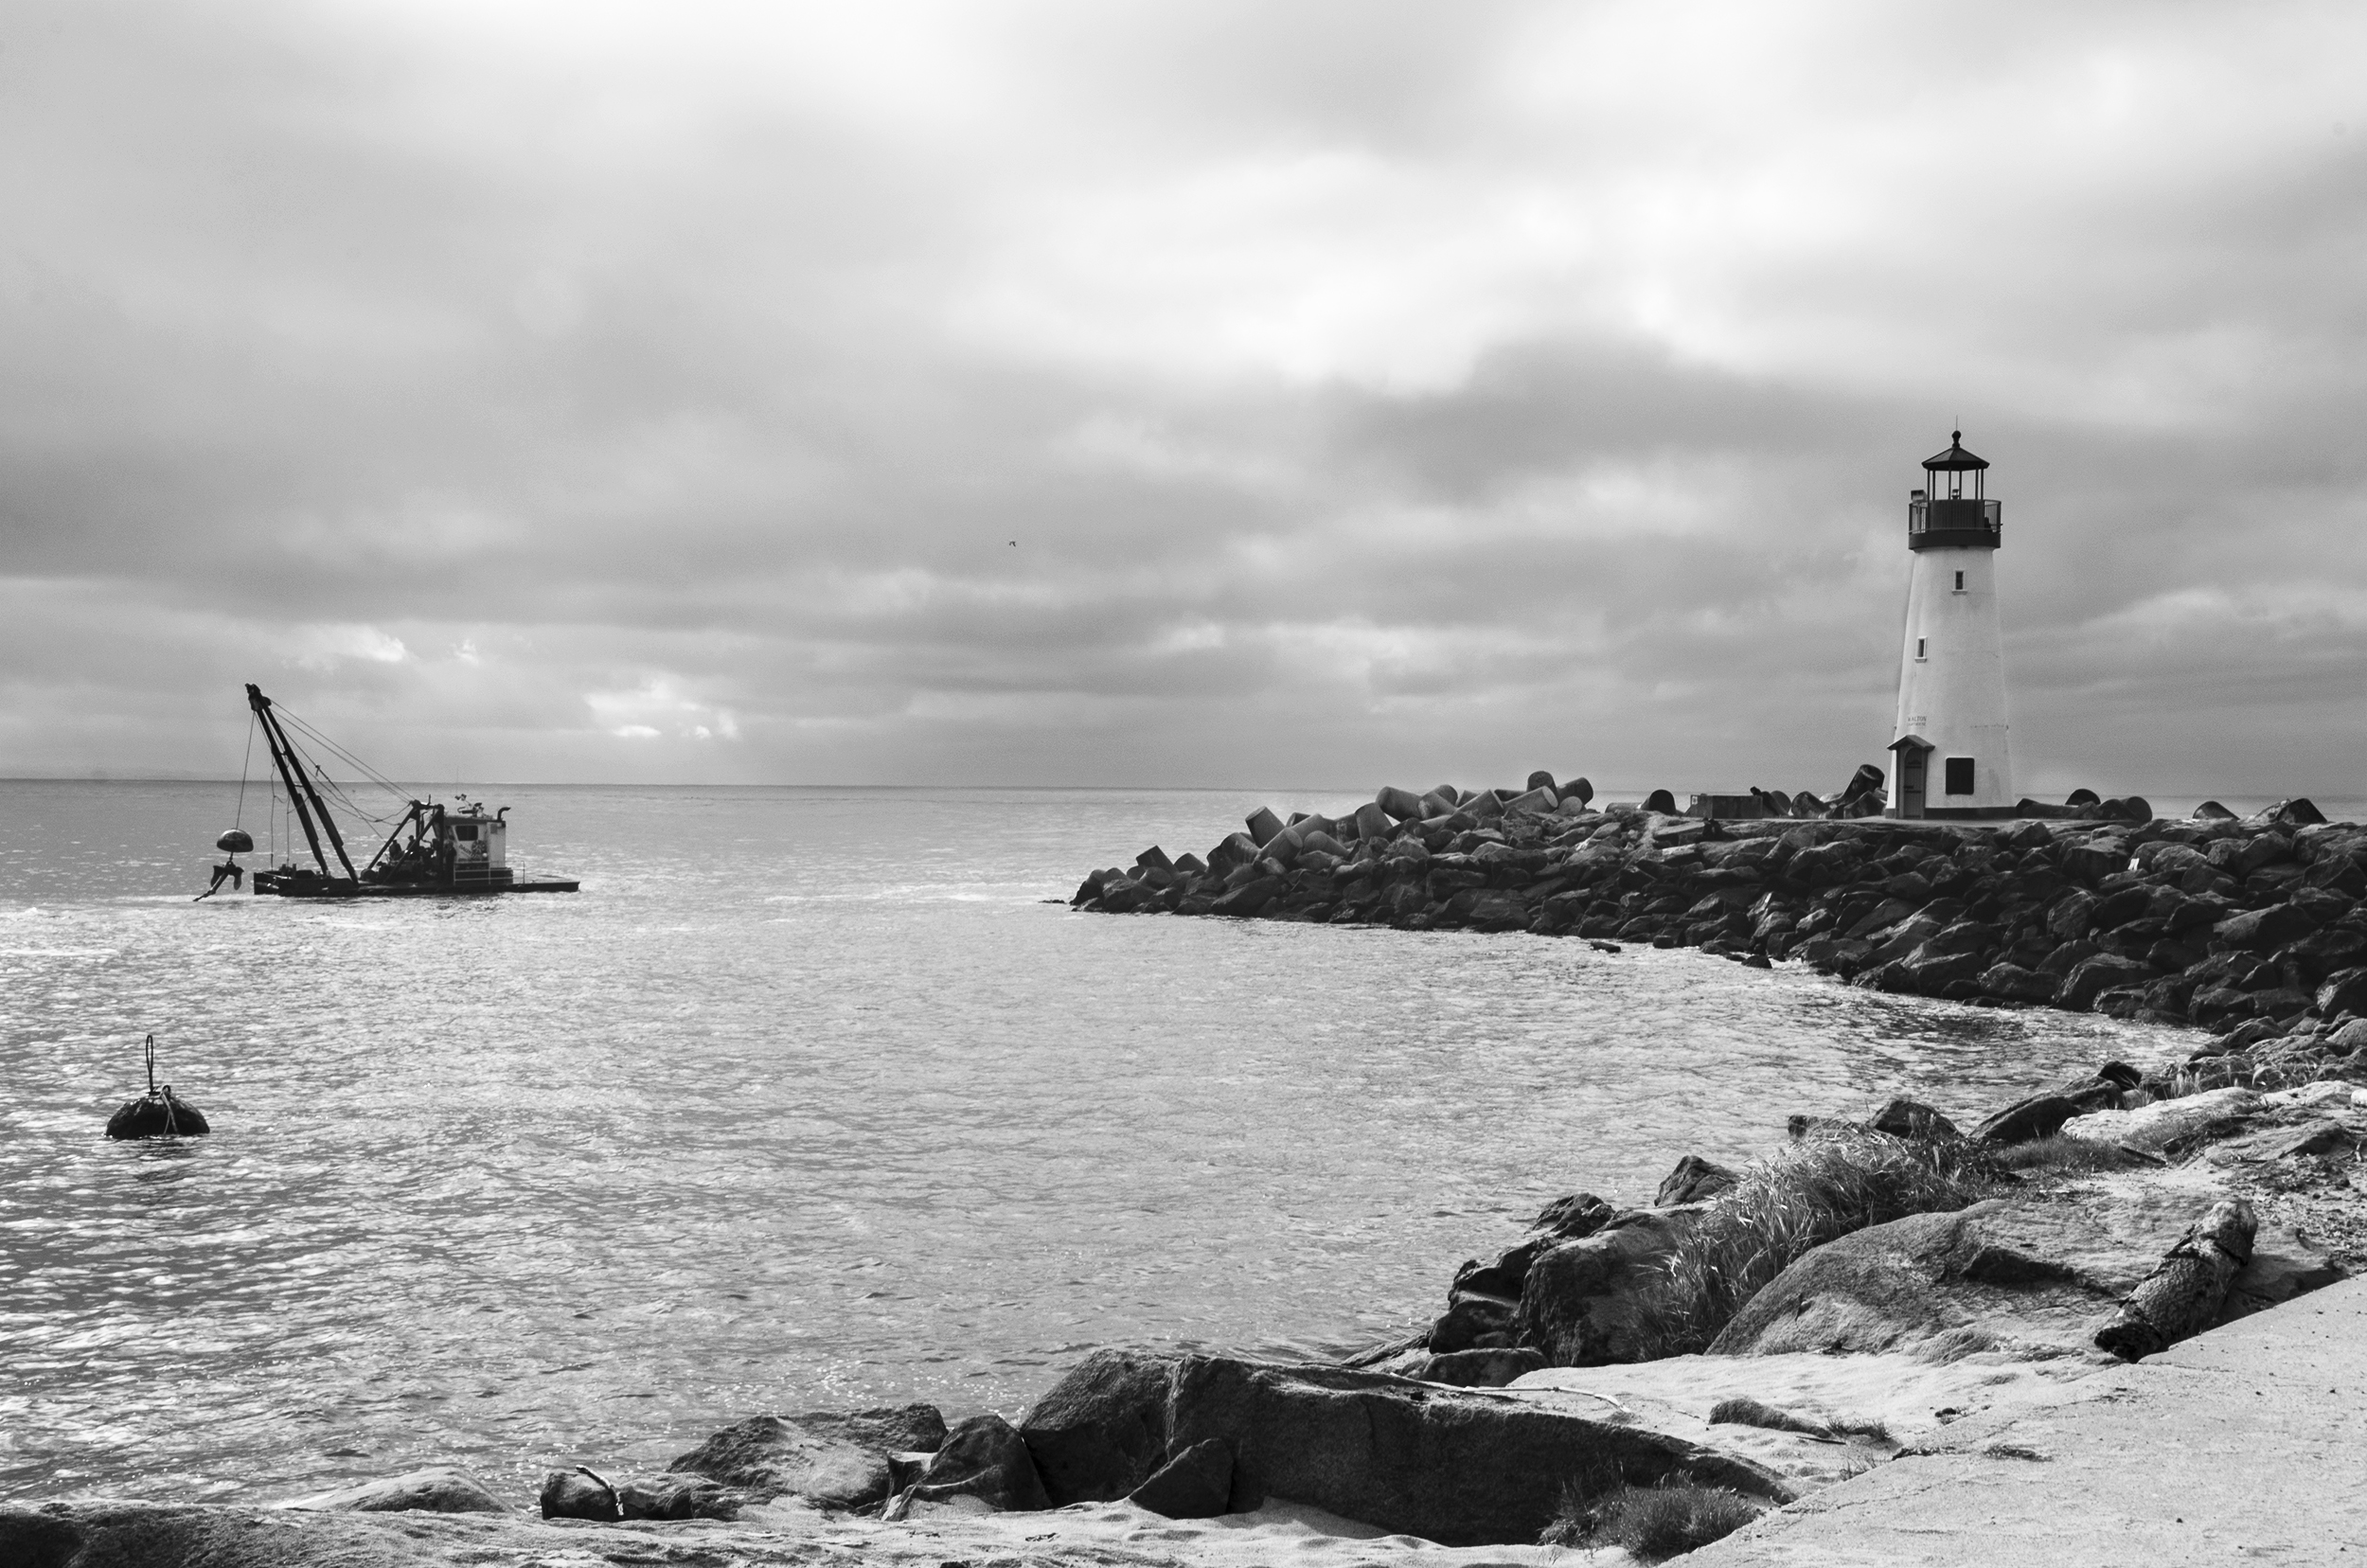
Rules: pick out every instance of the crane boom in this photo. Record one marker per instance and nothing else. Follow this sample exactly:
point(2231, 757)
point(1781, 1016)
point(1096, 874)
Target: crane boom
point(300, 790)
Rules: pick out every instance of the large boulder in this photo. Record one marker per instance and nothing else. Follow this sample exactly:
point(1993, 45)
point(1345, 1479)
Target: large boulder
point(674, 1495)
point(580, 1493)
point(2092, 977)
point(1102, 1428)
point(1490, 909)
point(1594, 1300)
point(2329, 951)
point(1931, 974)
point(1474, 1319)
point(1906, 1118)
point(2013, 983)
point(1196, 1484)
point(438, 1488)
point(2029, 1280)
point(1491, 1368)
point(1693, 1180)
point(984, 1458)
point(832, 1460)
point(2345, 990)
point(2186, 1121)
point(2043, 1115)
point(2092, 862)
point(1455, 1466)
point(1250, 897)
point(153, 1535)
point(2263, 930)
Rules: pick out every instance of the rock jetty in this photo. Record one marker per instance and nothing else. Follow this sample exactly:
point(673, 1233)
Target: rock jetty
point(2249, 928)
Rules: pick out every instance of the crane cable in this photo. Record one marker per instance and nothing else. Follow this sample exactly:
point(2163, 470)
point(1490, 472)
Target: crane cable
point(238, 817)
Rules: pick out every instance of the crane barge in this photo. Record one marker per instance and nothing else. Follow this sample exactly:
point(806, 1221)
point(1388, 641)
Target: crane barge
point(433, 850)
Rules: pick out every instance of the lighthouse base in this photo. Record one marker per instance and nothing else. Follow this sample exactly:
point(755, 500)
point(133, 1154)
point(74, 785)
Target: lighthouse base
point(1960, 813)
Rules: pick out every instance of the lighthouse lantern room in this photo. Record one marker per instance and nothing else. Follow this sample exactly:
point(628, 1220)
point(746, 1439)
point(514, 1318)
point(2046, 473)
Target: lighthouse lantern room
point(1949, 740)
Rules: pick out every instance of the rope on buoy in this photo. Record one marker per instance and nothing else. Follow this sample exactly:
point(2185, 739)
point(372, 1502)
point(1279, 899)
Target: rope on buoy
point(126, 1122)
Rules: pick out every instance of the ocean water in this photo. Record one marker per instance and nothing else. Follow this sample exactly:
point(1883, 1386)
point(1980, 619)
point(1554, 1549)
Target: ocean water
point(809, 1099)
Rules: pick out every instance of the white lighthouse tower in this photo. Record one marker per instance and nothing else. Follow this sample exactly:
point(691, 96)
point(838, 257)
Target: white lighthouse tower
point(1950, 742)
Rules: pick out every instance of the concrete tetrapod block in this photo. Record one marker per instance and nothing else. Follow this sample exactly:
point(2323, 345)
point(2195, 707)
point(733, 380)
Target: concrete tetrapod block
point(2240, 1444)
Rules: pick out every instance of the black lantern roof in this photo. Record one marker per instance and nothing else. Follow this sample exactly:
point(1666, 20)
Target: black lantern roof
point(1955, 459)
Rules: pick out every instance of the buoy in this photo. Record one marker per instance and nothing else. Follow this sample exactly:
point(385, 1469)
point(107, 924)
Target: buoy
point(158, 1113)
point(237, 842)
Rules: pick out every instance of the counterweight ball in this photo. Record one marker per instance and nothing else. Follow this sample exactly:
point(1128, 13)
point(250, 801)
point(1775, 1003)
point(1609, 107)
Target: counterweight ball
point(237, 842)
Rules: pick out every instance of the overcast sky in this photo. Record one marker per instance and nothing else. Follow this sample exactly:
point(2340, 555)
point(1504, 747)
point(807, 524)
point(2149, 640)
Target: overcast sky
point(1300, 394)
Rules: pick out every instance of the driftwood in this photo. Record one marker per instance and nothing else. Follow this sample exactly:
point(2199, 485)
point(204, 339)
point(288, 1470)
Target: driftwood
point(2186, 1288)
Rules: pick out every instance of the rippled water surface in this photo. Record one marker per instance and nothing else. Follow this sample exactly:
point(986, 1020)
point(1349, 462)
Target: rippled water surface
point(808, 1097)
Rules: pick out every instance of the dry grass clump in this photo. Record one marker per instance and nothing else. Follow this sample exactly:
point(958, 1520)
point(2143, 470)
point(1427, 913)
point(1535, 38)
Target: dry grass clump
point(1744, 1411)
point(2058, 1152)
point(2240, 1071)
point(1803, 1195)
point(1653, 1523)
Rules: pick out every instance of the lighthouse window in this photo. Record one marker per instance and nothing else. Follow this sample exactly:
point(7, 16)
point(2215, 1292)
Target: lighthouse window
point(1960, 582)
point(1919, 648)
point(1960, 775)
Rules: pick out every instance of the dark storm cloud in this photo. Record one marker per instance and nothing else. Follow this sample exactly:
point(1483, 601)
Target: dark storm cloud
point(1372, 390)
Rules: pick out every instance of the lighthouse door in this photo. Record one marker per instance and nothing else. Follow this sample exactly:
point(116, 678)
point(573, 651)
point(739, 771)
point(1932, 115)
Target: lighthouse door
point(1913, 769)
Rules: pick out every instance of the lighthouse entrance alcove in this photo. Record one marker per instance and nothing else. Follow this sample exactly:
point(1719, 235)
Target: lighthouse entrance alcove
point(1912, 772)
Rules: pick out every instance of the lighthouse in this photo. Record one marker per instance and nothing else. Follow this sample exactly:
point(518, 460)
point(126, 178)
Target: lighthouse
point(1949, 740)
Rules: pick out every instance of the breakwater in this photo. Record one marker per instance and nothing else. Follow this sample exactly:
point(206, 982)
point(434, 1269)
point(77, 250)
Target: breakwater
point(2250, 928)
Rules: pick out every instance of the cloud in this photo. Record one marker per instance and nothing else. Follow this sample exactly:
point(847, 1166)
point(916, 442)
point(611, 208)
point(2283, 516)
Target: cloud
point(1213, 393)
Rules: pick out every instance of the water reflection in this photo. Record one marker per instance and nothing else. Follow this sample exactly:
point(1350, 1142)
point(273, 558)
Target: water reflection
point(803, 1110)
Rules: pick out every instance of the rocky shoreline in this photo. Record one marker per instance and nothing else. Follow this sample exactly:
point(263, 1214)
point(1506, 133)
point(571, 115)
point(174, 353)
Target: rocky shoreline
point(2252, 929)
point(1873, 1288)
point(1631, 1377)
